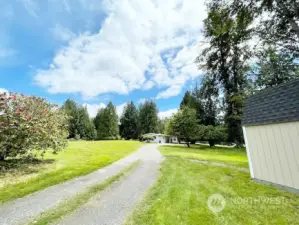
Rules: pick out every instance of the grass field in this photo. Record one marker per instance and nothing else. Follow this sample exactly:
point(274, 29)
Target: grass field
point(19, 177)
point(181, 194)
point(235, 157)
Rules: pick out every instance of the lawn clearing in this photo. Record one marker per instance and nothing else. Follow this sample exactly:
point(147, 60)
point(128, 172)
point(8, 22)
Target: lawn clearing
point(180, 195)
point(19, 178)
point(231, 156)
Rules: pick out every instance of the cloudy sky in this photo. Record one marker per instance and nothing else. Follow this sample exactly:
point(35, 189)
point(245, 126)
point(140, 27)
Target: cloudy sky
point(94, 51)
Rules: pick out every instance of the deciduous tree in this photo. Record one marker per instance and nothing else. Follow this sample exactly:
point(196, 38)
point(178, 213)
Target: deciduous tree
point(30, 123)
point(184, 124)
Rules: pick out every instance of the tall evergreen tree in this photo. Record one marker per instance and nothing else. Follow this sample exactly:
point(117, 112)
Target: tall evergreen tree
point(86, 127)
point(129, 122)
point(71, 110)
point(225, 60)
point(208, 93)
point(275, 67)
point(193, 101)
point(79, 124)
point(106, 123)
point(148, 117)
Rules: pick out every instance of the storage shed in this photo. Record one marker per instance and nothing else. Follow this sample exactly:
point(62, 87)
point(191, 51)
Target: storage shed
point(271, 131)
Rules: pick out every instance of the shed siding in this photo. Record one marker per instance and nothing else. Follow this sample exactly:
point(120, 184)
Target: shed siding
point(274, 152)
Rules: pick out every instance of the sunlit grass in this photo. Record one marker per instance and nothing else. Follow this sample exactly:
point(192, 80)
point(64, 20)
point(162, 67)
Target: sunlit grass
point(181, 193)
point(231, 156)
point(18, 178)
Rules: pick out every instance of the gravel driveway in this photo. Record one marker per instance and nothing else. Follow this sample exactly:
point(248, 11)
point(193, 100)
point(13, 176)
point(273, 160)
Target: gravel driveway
point(112, 206)
point(28, 207)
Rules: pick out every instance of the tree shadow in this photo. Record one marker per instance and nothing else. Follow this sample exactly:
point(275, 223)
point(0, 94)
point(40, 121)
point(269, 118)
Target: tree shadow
point(22, 166)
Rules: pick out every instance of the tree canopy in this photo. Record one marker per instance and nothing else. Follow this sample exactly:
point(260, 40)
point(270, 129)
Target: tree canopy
point(30, 123)
point(148, 117)
point(184, 125)
point(106, 123)
point(129, 122)
point(79, 124)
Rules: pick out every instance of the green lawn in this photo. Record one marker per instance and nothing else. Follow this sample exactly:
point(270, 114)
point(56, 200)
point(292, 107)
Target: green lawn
point(231, 156)
point(19, 178)
point(181, 193)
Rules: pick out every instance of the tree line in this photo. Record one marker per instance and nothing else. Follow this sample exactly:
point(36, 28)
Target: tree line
point(245, 51)
point(133, 122)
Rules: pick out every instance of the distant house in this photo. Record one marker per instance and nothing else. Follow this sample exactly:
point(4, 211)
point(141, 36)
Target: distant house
point(161, 138)
point(271, 131)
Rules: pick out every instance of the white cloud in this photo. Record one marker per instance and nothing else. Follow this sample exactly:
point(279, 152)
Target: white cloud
point(139, 46)
point(93, 108)
point(2, 90)
point(169, 92)
point(61, 33)
point(167, 114)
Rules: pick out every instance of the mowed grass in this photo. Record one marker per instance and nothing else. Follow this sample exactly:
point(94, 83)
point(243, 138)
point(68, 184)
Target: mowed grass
point(19, 177)
point(181, 193)
point(231, 156)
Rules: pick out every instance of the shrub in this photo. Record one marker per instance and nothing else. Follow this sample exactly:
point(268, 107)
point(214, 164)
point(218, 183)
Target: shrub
point(29, 122)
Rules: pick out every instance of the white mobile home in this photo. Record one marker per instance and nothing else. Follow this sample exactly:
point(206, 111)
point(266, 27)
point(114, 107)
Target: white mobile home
point(271, 131)
point(161, 138)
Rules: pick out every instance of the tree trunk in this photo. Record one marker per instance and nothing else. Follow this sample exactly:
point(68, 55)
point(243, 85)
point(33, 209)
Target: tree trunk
point(188, 144)
point(211, 143)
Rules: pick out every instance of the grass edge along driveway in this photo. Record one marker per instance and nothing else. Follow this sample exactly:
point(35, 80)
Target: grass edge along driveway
point(79, 158)
point(182, 191)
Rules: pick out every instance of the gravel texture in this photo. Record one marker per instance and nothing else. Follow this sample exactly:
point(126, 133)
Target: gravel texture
point(112, 206)
point(24, 209)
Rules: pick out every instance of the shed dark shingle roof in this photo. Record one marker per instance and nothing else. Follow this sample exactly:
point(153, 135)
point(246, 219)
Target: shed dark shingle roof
point(273, 105)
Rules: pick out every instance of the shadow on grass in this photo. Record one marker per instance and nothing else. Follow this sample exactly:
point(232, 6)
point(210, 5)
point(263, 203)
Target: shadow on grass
point(22, 165)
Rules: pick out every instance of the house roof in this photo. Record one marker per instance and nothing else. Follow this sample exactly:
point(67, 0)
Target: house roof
point(278, 104)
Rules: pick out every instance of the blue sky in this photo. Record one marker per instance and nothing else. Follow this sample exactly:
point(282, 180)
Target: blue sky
point(95, 51)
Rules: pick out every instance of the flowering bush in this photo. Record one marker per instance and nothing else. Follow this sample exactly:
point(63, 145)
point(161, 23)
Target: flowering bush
point(29, 122)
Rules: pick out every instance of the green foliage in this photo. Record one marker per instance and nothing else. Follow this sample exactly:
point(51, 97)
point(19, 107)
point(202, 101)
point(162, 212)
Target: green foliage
point(80, 125)
point(30, 123)
point(214, 134)
point(106, 123)
point(275, 67)
point(281, 26)
point(129, 122)
point(193, 101)
point(184, 124)
point(162, 125)
point(148, 117)
point(208, 93)
point(225, 60)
